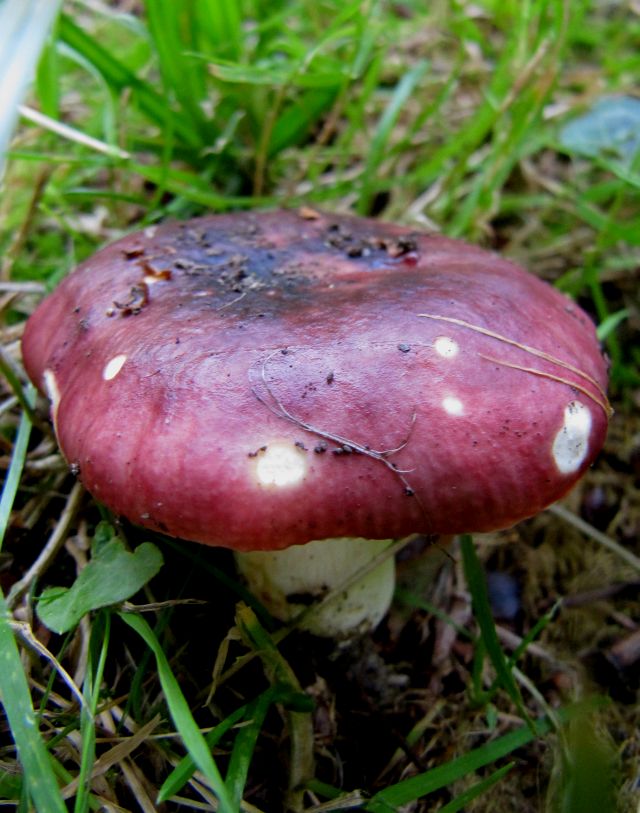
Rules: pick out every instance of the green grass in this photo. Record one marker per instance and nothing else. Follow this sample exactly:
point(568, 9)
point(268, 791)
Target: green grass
point(39, 777)
point(445, 115)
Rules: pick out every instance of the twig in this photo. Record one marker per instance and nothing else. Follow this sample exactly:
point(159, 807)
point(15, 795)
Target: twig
point(537, 695)
point(8, 404)
point(604, 405)
point(71, 134)
point(512, 641)
point(599, 594)
point(9, 370)
point(283, 632)
point(24, 631)
point(382, 456)
point(350, 801)
point(50, 550)
point(115, 755)
point(232, 302)
point(20, 237)
point(593, 533)
point(22, 287)
point(626, 652)
point(153, 607)
point(348, 583)
point(533, 351)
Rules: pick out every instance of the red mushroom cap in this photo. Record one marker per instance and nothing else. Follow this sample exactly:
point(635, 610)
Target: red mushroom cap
point(260, 380)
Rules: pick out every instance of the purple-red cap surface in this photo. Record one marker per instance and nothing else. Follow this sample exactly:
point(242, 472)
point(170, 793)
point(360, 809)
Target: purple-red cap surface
point(259, 380)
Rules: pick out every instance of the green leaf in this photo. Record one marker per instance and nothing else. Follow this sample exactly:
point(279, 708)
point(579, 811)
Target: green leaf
point(585, 775)
point(611, 129)
point(112, 575)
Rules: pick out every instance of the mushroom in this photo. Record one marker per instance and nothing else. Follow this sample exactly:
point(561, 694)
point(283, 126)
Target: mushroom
point(261, 381)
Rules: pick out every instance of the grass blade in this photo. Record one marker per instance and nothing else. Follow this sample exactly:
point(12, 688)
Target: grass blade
point(166, 22)
point(48, 79)
point(279, 671)
point(36, 762)
point(417, 602)
point(185, 769)
point(454, 153)
point(482, 611)
point(92, 684)
point(24, 27)
point(244, 746)
point(611, 322)
point(193, 739)
point(180, 182)
point(220, 25)
point(477, 790)
point(118, 76)
point(416, 787)
point(15, 696)
point(593, 533)
point(298, 119)
point(383, 131)
point(12, 481)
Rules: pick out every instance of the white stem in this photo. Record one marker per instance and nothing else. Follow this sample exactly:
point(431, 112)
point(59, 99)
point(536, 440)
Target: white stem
point(289, 581)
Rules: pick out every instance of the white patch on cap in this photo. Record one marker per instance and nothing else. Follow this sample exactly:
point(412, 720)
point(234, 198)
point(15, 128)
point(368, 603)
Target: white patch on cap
point(571, 444)
point(113, 367)
point(281, 465)
point(453, 405)
point(53, 392)
point(446, 347)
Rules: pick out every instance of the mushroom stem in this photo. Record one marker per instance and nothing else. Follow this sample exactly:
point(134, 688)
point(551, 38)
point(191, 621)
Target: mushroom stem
point(289, 582)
